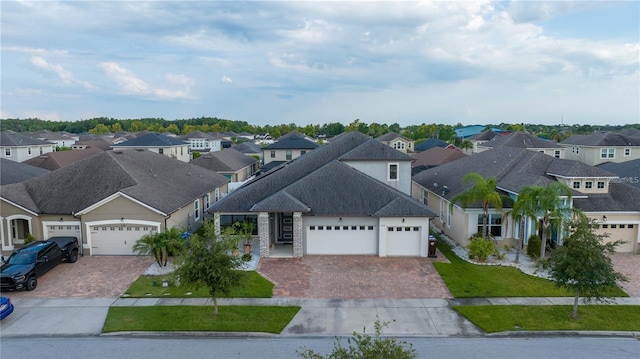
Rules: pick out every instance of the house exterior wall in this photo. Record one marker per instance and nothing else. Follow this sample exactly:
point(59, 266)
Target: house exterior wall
point(8, 213)
point(21, 154)
point(380, 171)
point(591, 155)
point(630, 235)
point(180, 153)
point(281, 154)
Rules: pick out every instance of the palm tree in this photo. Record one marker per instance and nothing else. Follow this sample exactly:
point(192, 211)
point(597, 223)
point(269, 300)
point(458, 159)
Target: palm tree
point(483, 191)
point(160, 245)
point(466, 145)
point(543, 201)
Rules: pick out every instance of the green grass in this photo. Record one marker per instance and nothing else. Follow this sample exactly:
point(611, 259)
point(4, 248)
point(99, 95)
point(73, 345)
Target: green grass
point(500, 318)
point(252, 285)
point(467, 280)
point(191, 318)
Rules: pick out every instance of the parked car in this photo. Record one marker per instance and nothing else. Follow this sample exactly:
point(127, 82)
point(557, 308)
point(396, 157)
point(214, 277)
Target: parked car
point(26, 265)
point(6, 307)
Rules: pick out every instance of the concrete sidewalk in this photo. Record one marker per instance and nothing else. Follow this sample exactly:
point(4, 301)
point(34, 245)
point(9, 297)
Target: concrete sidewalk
point(406, 317)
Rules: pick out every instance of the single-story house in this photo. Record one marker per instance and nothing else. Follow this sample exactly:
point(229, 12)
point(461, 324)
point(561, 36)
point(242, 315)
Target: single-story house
point(351, 196)
point(158, 143)
point(230, 163)
point(109, 201)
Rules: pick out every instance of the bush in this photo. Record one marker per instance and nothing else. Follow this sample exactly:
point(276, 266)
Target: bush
point(481, 248)
point(533, 248)
point(28, 238)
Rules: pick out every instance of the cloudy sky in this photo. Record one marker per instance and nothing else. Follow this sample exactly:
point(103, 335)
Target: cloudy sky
point(320, 62)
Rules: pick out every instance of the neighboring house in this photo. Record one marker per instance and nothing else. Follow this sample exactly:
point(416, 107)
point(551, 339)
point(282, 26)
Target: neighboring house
point(244, 136)
point(61, 139)
point(481, 137)
point(95, 143)
point(595, 191)
point(249, 149)
point(468, 131)
point(109, 201)
point(15, 172)
point(234, 165)
point(433, 157)
point(337, 199)
point(288, 149)
point(53, 160)
point(401, 143)
point(202, 142)
point(601, 147)
point(296, 133)
point(18, 147)
point(431, 143)
point(155, 142)
point(628, 171)
point(524, 140)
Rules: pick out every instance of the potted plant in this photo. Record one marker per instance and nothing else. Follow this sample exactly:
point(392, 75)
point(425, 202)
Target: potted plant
point(246, 232)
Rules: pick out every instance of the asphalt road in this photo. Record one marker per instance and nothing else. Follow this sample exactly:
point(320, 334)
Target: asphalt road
point(104, 347)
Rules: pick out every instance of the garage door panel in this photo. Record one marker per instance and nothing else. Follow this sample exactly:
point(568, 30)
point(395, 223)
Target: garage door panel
point(63, 230)
point(116, 239)
point(403, 242)
point(347, 240)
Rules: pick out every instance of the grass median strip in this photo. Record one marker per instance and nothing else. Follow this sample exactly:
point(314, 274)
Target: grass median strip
point(500, 318)
point(468, 280)
point(265, 319)
point(252, 285)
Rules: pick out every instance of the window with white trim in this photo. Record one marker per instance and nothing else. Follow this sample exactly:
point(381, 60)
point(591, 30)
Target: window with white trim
point(600, 184)
point(217, 194)
point(576, 184)
point(288, 155)
point(425, 197)
point(273, 154)
point(557, 154)
point(393, 172)
point(29, 150)
point(627, 152)
point(494, 221)
point(196, 210)
point(450, 212)
point(607, 153)
point(161, 151)
point(7, 151)
point(588, 184)
point(207, 200)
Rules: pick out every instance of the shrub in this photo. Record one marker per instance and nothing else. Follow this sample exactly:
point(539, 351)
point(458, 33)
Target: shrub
point(28, 238)
point(246, 257)
point(481, 248)
point(533, 248)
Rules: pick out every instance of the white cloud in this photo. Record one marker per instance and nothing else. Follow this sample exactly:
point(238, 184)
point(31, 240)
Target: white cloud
point(64, 75)
point(226, 79)
point(131, 84)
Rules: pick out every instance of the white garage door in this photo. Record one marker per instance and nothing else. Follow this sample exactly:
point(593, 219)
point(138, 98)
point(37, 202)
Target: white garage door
point(352, 239)
point(403, 241)
point(115, 239)
point(63, 230)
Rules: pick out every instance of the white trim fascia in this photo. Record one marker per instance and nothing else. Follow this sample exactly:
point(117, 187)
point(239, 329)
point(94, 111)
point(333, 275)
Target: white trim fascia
point(581, 177)
point(111, 198)
point(19, 206)
point(508, 191)
point(613, 212)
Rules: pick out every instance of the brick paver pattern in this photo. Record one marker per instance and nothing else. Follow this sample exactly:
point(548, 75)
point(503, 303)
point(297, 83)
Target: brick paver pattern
point(354, 277)
point(629, 265)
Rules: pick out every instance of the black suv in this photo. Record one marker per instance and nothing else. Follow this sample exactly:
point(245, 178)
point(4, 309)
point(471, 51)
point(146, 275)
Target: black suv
point(27, 264)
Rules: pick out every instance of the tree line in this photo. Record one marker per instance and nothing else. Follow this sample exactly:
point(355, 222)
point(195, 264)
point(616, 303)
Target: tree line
point(103, 125)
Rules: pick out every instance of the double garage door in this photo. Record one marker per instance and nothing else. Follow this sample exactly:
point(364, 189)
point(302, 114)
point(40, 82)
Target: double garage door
point(362, 240)
point(116, 239)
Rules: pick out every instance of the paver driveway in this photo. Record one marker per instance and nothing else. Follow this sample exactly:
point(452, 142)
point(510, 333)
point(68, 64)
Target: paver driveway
point(354, 277)
point(89, 277)
point(629, 265)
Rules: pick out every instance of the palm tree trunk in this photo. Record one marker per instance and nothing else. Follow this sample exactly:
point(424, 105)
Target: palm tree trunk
point(485, 224)
point(521, 240)
point(544, 243)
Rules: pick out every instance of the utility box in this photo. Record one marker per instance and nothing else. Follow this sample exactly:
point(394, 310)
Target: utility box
point(433, 245)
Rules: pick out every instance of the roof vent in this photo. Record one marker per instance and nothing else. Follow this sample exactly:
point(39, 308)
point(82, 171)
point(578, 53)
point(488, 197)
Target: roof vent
point(189, 173)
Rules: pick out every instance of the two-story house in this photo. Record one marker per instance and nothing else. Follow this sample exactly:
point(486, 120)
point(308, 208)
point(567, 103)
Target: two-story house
point(155, 142)
point(18, 147)
point(601, 147)
point(615, 205)
point(202, 142)
point(287, 149)
point(348, 197)
point(399, 142)
point(109, 201)
point(523, 140)
point(234, 165)
point(61, 139)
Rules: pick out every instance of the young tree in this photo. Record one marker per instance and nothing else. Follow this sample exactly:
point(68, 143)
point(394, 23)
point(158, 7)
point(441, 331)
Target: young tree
point(364, 346)
point(544, 202)
point(160, 245)
point(208, 263)
point(582, 264)
point(484, 192)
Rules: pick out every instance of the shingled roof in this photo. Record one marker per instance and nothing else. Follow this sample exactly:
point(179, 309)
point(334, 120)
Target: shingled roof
point(151, 140)
point(522, 140)
point(16, 139)
point(54, 160)
point(293, 143)
point(628, 171)
point(320, 184)
point(603, 139)
point(227, 160)
point(160, 182)
point(512, 167)
point(15, 172)
point(390, 136)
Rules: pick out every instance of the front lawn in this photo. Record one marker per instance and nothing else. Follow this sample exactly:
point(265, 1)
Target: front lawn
point(252, 285)
point(199, 318)
point(500, 318)
point(467, 280)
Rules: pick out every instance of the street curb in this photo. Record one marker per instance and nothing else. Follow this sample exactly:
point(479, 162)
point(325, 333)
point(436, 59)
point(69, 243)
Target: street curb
point(191, 334)
point(566, 333)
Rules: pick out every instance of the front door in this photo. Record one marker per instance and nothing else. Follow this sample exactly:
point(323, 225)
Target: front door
point(285, 228)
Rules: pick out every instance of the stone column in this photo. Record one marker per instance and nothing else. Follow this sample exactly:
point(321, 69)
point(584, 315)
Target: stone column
point(216, 223)
point(297, 234)
point(263, 233)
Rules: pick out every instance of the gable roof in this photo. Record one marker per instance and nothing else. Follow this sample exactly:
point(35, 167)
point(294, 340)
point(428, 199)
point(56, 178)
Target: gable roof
point(15, 172)
point(158, 181)
point(320, 184)
point(16, 139)
point(375, 151)
point(247, 147)
point(603, 139)
point(199, 134)
point(227, 160)
point(484, 135)
point(437, 156)
point(292, 143)
point(54, 160)
point(390, 136)
point(520, 139)
point(512, 167)
point(628, 171)
point(151, 139)
point(430, 143)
